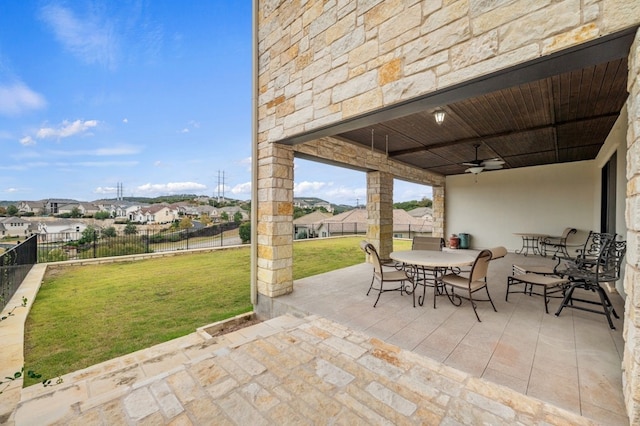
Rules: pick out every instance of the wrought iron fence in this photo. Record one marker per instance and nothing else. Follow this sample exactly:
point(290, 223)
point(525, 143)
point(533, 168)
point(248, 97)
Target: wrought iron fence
point(15, 264)
point(334, 229)
point(93, 244)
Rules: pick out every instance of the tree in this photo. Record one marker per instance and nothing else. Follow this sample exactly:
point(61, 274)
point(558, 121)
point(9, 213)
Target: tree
point(185, 223)
point(88, 235)
point(237, 217)
point(109, 232)
point(244, 231)
point(12, 210)
point(3, 210)
point(75, 212)
point(224, 216)
point(130, 229)
point(205, 219)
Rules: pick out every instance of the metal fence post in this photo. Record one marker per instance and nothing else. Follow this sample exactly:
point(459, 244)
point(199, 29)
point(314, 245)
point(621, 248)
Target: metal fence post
point(95, 241)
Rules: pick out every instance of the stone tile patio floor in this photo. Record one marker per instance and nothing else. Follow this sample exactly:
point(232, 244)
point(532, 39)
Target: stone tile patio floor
point(390, 365)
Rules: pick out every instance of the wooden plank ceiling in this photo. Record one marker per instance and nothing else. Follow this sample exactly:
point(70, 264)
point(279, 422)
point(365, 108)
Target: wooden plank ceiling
point(562, 118)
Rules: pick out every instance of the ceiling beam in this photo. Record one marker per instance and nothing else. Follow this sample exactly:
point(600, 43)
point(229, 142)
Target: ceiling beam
point(500, 134)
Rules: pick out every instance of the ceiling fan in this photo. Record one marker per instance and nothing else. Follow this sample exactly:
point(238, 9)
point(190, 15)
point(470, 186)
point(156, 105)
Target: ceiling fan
point(476, 166)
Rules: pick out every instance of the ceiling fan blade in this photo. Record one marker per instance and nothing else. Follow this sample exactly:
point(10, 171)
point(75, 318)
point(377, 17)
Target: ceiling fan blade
point(493, 162)
point(492, 166)
point(472, 164)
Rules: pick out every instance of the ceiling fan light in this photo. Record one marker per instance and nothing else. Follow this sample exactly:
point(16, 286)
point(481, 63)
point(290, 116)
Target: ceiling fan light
point(439, 116)
point(475, 170)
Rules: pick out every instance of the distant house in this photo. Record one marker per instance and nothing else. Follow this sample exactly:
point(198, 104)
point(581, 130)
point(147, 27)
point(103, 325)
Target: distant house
point(327, 206)
point(52, 205)
point(35, 207)
point(15, 227)
point(211, 211)
point(306, 226)
point(422, 212)
point(60, 230)
point(156, 214)
point(312, 203)
point(232, 210)
point(85, 209)
point(355, 222)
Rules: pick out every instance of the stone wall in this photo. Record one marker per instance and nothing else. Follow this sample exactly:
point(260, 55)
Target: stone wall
point(321, 62)
point(631, 361)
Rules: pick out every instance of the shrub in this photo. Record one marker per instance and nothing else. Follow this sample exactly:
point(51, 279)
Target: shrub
point(245, 232)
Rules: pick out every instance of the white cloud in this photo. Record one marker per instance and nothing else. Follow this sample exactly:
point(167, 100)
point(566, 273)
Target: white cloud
point(170, 188)
point(308, 188)
point(105, 190)
point(103, 164)
point(185, 130)
point(11, 190)
point(125, 120)
point(27, 140)
point(18, 98)
point(243, 188)
point(66, 129)
point(99, 152)
point(91, 38)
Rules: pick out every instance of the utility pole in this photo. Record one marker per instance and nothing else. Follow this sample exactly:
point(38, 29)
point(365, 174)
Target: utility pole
point(219, 186)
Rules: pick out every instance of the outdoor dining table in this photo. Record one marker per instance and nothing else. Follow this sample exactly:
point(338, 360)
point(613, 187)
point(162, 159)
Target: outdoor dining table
point(436, 261)
point(530, 241)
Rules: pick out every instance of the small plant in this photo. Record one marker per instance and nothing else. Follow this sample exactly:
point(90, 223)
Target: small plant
point(10, 313)
point(7, 380)
point(32, 375)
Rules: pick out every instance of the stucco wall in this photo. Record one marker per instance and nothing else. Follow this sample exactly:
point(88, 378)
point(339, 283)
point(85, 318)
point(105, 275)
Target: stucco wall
point(544, 199)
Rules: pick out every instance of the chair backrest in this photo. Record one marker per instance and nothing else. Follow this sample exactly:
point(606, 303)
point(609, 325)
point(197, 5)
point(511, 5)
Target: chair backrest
point(363, 246)
point(427, 243)
point(566, 233)
point(375, 259)
point(480, 266)
point(610, 261)
point(498, 252)
point(594, 244)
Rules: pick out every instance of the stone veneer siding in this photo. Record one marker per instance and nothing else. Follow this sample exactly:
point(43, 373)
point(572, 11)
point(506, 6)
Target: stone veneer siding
point(321, 62)
point(380, 212)
point(631, 360)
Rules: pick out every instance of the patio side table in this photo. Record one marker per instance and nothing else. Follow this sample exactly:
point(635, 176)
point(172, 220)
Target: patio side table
point(530, 242)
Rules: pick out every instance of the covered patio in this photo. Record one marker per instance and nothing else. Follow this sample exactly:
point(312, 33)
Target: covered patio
point(571, 361)
point(549, 89)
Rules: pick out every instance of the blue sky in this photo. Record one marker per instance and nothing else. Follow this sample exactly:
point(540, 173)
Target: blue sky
point(155, 95)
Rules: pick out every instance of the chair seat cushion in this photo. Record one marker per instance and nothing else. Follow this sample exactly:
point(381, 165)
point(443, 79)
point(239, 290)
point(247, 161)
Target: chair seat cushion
point(462, 282)
point(535, 269)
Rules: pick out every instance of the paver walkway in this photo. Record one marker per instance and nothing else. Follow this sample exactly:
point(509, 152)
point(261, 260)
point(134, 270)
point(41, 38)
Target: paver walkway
point(286, 370)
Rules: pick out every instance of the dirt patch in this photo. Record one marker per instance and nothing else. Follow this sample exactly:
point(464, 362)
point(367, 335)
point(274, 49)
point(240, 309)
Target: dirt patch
point(231, 326)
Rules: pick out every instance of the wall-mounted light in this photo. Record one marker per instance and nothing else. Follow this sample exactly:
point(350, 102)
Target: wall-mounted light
point(439, 116)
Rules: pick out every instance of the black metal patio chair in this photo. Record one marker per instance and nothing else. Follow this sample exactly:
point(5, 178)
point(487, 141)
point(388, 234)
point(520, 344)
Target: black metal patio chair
point(591, 274)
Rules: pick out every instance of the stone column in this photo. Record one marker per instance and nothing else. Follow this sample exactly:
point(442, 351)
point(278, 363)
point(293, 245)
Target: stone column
point(380, 212)
point(274, 276)
point(631, 360)
point(438, 211)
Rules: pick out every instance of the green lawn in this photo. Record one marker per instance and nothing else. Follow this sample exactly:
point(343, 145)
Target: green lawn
point(88, 314)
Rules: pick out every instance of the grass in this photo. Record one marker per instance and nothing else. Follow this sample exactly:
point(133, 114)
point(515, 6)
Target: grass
point(84, 315)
